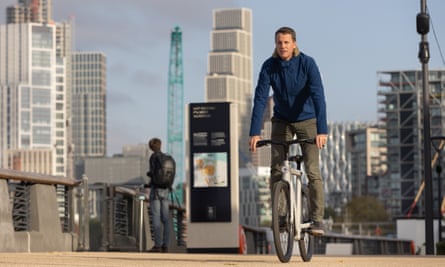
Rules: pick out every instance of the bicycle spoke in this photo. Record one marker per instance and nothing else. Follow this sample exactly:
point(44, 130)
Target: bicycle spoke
point(305, 244)
point(283, 229)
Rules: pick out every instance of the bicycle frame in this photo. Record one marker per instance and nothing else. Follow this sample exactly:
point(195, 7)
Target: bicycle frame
point(295, 188)
point(290, 187)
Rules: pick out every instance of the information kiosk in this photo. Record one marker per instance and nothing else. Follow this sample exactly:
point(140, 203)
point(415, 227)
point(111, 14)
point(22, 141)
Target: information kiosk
point(212, 186)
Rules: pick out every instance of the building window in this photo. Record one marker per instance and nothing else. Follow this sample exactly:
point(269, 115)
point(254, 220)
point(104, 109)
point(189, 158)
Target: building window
point(25, 121)
point(41, 59)
point(25, 97)
point(41, 135)
point(41, 115)
point(41, 77)
point(41, 96)
point(42, 37)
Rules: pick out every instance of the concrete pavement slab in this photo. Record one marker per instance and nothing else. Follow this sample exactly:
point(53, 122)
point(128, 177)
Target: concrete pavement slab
point(121, 259)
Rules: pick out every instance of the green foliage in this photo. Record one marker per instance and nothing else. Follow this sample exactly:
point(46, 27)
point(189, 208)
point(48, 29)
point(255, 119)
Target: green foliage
point(365, 209)
point(440, 248)
point(330, 213)
point(266, 223)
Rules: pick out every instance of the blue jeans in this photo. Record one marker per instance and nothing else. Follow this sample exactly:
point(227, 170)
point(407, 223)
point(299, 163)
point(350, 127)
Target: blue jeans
point(159, 207)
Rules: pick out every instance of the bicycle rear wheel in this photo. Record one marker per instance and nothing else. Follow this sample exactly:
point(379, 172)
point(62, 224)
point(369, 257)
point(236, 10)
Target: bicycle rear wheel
point(282, 227)
point(306, 243)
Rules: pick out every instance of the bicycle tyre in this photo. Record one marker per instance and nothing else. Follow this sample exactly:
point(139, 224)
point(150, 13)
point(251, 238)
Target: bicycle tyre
point(306, 243)
point(283, 229)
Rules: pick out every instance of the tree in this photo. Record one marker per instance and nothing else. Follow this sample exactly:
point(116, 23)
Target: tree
point(329, 212)
point(365, 209)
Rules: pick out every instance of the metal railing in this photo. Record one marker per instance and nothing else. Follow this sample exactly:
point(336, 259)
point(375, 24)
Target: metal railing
point(364, 245)
point(20, 206)
point(19, 184)
point(118, 218)
point(259, 241)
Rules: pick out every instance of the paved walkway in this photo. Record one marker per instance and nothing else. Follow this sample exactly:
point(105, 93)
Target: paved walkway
point(121, 259)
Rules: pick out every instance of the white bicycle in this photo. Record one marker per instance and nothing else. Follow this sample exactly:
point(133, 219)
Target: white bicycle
point(291, 205)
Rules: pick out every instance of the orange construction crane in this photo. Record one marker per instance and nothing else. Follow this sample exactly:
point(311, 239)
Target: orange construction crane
point(422, 185)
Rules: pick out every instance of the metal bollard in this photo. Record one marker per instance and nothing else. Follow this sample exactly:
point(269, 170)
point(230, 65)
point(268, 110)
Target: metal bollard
point(141, 198)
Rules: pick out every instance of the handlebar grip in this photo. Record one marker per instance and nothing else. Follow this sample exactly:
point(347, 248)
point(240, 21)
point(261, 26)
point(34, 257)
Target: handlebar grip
point(311, 141)
point(266, 142)
point(261, 143)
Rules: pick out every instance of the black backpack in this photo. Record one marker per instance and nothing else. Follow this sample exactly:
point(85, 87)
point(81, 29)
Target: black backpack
point(165, 170)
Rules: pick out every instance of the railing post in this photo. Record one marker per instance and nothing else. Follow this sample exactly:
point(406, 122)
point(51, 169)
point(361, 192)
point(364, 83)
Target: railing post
point(141, 198)
point(84, 216)
point(71, 203)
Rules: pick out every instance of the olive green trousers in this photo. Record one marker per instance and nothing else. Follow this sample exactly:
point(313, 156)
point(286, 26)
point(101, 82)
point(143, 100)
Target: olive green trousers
point(283, 131)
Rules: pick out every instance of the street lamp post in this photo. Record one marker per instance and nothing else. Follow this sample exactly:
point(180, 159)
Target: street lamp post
point(439, 146)
point(439, 195)
point(422, 23)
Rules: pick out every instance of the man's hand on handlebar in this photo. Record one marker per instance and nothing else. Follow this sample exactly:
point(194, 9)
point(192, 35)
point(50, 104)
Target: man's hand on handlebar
point(321, 140)
point(252, 142)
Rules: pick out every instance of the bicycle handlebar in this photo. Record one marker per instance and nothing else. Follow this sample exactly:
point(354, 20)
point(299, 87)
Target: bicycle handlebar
point(266, 142)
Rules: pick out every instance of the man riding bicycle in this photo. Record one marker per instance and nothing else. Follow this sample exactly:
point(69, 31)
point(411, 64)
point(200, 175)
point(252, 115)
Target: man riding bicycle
point(299, 110)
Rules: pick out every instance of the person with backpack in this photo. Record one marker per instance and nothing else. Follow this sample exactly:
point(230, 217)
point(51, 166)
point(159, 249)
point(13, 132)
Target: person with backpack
point(161, 173)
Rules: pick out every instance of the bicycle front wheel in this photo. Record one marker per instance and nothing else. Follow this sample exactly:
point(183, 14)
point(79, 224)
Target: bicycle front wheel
point(306, 243)
point(282, 227)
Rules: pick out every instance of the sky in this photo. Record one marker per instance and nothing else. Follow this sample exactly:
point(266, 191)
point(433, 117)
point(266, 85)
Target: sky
point(350, 40)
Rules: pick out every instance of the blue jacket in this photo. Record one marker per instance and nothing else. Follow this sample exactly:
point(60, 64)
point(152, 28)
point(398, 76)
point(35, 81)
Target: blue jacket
point(298, 92)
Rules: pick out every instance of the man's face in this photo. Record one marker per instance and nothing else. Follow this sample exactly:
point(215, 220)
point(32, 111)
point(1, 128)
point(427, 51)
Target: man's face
point(285, 46)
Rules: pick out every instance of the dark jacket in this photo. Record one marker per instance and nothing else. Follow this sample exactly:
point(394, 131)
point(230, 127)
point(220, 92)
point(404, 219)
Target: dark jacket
point(298, 92)
point(154, 164)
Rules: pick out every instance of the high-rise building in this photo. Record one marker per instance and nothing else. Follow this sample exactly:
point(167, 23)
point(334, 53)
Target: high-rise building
point(18, 14)
point(32, 109)
point(335, 164)
point(401, 110)
point(38, 11)
point(64, 48)
point(46, 69)
point(254, 197)
point(229, 77)
point(88, 108)
point(54, 68)
point(367, 149)
point(262, 157)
